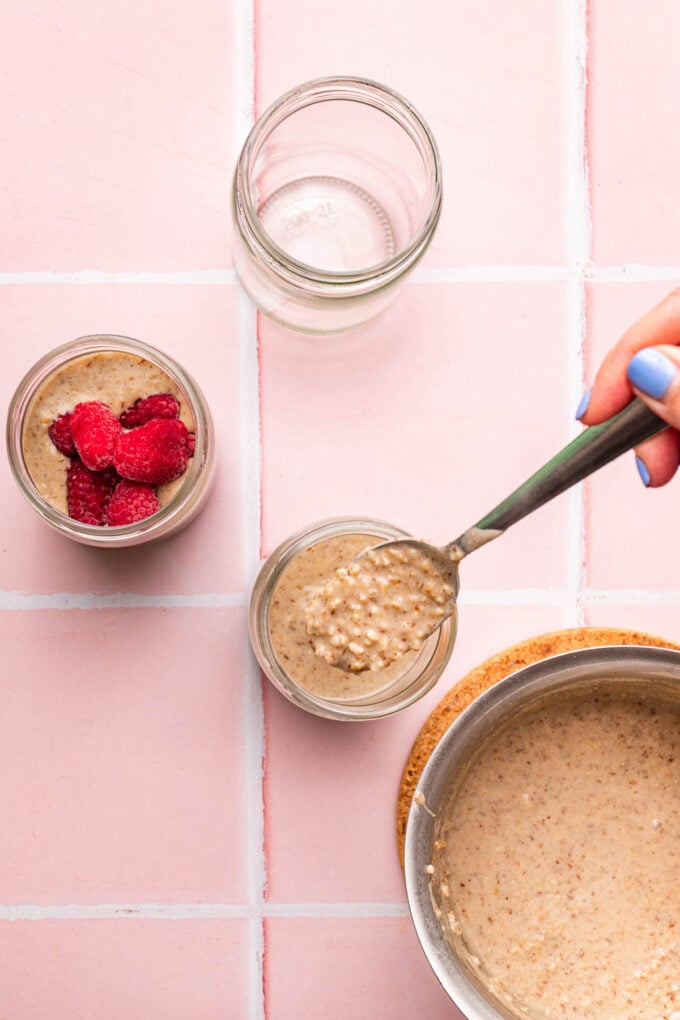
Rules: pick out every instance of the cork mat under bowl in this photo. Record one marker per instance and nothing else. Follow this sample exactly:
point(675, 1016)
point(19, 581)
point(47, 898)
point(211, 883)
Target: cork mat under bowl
point(484, 676)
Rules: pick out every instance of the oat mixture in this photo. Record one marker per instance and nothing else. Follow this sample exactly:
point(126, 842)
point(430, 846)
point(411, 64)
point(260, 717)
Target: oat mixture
point(287, 628)
point(374, 610)
point(115, 378)
point(559, 865)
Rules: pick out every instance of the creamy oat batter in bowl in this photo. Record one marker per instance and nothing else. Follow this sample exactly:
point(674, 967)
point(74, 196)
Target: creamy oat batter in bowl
point(285, 648)
point(541, 848)
point(117, 372)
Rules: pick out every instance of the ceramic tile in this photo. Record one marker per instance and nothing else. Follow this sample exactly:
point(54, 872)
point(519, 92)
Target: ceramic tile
point(345, 778)
point(428, 418)
point(632, 534)
point(650, 618)
point(351, 966)
point(161, 970)
point(123, 759)
point(634, 92)
point(199, 327)
point(489, 80)
point(119, 139)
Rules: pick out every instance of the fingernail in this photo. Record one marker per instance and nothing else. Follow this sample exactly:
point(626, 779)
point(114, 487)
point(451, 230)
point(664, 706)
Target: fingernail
point(583, 406)
point(652, 372)
point(642, 471)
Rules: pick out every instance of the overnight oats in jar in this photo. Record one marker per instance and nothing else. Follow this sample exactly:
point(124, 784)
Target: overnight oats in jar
point(281, 639)
point(111, 442)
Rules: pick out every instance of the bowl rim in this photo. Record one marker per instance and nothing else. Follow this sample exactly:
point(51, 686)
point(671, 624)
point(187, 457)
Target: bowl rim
point(574, 668)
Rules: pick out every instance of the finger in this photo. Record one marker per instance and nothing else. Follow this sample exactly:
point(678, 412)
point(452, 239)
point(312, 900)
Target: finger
point(657, 459)
point(654, 374)
point(612, 390)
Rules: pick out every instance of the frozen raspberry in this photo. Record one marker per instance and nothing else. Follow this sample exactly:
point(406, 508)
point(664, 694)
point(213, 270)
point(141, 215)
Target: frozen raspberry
point(153, 453)
point(60, 434)
point(88, 492)
point(158, 405)
point(130, 502)
point(95, 429)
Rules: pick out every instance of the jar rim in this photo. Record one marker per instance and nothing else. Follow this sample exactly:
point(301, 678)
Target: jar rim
point(52, 361)
point(336, 282)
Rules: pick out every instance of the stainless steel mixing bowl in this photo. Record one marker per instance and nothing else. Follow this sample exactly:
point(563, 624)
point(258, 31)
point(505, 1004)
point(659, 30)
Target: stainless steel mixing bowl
point(652, 671)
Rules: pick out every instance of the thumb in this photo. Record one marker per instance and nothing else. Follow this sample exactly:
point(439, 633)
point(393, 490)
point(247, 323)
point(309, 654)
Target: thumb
point(654, 373)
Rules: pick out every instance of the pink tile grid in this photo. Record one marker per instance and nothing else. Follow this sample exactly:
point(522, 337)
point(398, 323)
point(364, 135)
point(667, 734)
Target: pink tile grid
point(354, 967)
point(199, 327)
point(122, 967)
point(178, 840)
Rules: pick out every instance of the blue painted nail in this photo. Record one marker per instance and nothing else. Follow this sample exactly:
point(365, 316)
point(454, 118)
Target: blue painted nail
point(642, 471)
point(651, 372)
point(583, 406)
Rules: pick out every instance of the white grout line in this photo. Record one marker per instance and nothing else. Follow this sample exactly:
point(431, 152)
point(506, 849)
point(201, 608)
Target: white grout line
point(633, 272)
point(21, 601)
point(118, 600)
point(212, 277)
point(578, 243)
point(491, 274)
point(250, 456)
point(628, 273)
point(337, 910)
point(250, 481)
point(130, 911)
point(197, 911)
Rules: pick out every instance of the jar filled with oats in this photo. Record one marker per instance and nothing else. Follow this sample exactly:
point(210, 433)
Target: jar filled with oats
point(280, 636)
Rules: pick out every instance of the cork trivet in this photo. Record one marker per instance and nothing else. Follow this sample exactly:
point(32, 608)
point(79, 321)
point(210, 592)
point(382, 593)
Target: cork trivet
point(484, 676)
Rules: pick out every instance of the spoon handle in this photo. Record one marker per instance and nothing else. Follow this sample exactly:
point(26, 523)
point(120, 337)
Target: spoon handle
point(592, 449)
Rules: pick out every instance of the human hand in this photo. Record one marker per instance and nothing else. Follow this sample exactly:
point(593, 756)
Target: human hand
point(644, 363)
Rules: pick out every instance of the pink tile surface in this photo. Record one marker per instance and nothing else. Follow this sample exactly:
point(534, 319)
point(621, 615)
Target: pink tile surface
point(123, 761)
point(118, 137)
point(659, 620)
point(352, 967)
point(117, 969)
point(488, 80)
point(436, 411)
point(198, 326)
point(147, 771)
point(628, 526)
point(634, 91)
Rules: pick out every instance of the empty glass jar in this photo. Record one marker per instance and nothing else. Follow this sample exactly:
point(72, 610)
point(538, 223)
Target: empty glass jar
point(336, 195)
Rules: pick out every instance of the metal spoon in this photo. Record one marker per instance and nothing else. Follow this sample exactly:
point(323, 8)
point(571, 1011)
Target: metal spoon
point(592, 449)
point(409, 565)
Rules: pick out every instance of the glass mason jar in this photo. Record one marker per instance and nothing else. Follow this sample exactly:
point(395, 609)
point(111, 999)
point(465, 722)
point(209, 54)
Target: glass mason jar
point(190, 495)
point(409, 678)
point(336, 195)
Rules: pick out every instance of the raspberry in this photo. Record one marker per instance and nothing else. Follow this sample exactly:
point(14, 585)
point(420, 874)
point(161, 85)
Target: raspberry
point(88, 492)
point(60, 434)
point(158, 405)
point(153, 453)
point(130, 502)
point(95, 429)
point(191, 443)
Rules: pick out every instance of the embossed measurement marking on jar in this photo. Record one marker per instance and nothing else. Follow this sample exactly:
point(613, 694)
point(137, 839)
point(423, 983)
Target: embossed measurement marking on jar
point(328, 223)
